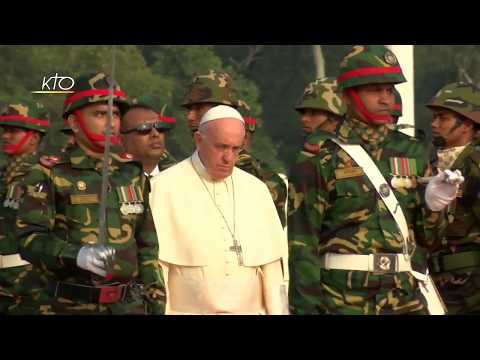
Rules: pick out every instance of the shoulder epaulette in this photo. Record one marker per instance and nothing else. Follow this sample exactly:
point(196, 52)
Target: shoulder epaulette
point(419, 133)
point(122, 157)
point(316, 140)
point(50, 161)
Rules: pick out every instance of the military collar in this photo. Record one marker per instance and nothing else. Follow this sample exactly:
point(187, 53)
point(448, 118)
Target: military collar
point(80, 160)
point(354, 131)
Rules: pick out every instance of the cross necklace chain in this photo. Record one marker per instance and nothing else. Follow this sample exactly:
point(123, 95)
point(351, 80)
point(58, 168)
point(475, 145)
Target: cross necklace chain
point(237, 248)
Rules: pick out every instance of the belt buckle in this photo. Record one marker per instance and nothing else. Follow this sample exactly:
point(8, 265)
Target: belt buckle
point(385, 263)
point(111, 294)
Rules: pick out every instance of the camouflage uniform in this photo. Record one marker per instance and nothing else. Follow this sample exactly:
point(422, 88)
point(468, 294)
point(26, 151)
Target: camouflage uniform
point(455, 261)
point(168, 123)
point(60, 214)
point(262, 171)
point(335, 209)
point(322, 94)
point(19, 284)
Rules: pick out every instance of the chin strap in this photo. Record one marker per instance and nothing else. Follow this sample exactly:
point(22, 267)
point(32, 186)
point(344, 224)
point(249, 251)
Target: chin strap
point(15, 149)
point(94, 139)
point(369, 117)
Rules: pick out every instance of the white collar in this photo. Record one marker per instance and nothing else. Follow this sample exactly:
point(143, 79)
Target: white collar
point(200, 168)
point(154, 172)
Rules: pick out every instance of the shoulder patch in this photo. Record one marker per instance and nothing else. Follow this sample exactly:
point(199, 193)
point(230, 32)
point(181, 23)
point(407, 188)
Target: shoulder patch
point(49, 161)
point(311, 148)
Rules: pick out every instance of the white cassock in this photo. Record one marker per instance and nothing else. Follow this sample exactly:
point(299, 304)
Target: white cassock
point(195, 219)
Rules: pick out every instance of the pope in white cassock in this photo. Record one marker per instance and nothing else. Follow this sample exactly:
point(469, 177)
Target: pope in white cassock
point(222, 246)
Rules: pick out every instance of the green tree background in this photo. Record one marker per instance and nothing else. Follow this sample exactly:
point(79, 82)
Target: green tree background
point(271, 78)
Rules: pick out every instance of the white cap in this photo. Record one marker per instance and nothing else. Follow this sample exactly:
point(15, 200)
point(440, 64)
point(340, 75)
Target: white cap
point(221, 112)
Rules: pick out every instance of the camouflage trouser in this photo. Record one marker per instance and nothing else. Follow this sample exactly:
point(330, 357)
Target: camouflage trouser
point(460, 291)
point(132, 304)
point(363, 293)
point(20, 285)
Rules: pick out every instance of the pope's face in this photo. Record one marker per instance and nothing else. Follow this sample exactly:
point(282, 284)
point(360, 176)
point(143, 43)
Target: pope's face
point(218, 145)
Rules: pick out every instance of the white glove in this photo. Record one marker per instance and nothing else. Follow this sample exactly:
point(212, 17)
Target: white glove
point(442, 189)
point(97, 259)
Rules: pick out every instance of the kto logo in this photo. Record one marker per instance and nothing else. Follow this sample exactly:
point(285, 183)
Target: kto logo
point(56, 85)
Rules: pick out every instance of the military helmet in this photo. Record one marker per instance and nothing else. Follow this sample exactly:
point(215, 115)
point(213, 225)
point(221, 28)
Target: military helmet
point(398, 106)
point(369, 64)
point(157, 105)
point(26, 114)
point(214, 87)
point(91, 89)
point(322, 95)
point(460, 97)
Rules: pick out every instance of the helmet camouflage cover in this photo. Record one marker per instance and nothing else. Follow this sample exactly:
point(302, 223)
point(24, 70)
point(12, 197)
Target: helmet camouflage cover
point(155, 104)
point(322, 95)
point(369, 64)
point(213, 88)
point(461, 98)
point(91, 89)
point(26, 114)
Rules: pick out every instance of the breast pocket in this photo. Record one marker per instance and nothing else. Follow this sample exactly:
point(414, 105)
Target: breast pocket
point(82, 210)
point(355, 198)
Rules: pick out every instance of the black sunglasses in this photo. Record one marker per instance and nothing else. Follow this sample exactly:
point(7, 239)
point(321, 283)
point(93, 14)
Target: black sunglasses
point(146, 128)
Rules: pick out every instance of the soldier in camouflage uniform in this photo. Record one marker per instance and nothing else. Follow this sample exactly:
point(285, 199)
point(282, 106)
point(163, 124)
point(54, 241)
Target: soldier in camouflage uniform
point(336, 214)
point(455, 260)
point(24, 124)
point(321, 106)
point(67, 131)
point(260, 169)
point(205, 92)
point(397, 111)
point(58, 221)
point(144, 130)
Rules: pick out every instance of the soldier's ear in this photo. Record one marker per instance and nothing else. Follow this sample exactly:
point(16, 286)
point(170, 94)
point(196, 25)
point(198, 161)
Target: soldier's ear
point(346, 99)
point(72, 122)
point(35, 139)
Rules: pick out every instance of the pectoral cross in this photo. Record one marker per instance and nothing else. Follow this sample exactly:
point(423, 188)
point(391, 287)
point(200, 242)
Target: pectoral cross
point(238, 250)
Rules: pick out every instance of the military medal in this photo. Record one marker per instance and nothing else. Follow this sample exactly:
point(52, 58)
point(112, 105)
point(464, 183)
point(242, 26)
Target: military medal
point(131, 208)
point(408, 183)
point(139, 208)
point(403, 171)
point(123, 209)
point(131, 199)
point(395, 182)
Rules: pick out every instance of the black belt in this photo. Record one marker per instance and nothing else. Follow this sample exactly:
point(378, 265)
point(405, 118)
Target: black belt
point(105, 294)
